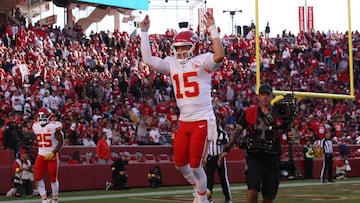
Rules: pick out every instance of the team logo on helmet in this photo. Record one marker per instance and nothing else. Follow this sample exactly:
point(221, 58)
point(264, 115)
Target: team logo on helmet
point(182, 39)
point(44, 115)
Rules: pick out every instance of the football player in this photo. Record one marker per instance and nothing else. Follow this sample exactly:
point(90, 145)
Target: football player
point(50, 140)
point(190, 75)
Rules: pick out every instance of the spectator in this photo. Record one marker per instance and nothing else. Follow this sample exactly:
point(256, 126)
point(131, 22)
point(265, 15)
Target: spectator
point(155, 177)
point(103, 149)
point(17, 101)
point(75, 158)
point(155, 136)
point(88, 141)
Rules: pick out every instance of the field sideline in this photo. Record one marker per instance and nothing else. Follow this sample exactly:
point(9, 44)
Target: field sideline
point(290, 191)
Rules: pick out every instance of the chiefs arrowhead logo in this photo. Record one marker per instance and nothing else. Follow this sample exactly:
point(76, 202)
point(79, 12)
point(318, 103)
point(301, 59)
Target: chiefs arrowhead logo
point(196, 65)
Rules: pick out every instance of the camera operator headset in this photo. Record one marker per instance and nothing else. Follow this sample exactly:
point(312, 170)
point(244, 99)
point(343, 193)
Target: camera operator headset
point(264, 124)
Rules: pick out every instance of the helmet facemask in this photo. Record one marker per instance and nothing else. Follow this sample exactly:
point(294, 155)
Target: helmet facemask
point(42, 118)
point(183, 56)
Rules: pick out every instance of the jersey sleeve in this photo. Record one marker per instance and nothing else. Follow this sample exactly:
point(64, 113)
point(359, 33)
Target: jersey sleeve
point(210, 65)
point(156, 63)
point(58, 126)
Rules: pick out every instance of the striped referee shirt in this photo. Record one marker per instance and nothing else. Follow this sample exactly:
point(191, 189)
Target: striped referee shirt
point(217, 146)
point(327, 146)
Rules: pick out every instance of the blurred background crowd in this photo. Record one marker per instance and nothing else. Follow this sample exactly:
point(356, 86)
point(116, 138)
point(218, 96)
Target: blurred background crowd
point(98, 83)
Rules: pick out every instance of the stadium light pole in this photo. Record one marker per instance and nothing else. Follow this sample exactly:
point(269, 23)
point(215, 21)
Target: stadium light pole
point(232, 14)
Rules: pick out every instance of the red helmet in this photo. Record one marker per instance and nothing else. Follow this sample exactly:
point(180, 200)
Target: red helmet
point(44, 115)
point(185, 38)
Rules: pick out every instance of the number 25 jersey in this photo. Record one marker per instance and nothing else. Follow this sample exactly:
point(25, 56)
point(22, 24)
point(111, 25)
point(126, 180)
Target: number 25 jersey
point(46, 136)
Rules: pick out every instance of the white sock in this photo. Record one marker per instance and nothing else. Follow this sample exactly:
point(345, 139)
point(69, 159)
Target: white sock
point(200, 180)
point(41, 187)
point(187, 173)
point(55, 188)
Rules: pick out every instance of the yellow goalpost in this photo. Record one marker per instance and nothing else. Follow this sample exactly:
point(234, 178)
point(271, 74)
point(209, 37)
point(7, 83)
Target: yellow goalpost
point(350, 96)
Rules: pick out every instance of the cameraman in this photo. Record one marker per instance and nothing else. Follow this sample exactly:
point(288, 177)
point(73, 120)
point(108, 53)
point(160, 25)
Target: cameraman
point(262, 145)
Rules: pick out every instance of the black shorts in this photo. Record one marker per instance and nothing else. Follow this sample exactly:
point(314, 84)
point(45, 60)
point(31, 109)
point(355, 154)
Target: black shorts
point(263, 174)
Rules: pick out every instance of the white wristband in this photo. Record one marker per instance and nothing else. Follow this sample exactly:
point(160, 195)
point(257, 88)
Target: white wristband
point(213, 32)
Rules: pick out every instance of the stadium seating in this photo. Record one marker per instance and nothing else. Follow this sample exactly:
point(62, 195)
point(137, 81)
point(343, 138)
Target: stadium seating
point(163, 158)
point(150, 158)
point(64, 158)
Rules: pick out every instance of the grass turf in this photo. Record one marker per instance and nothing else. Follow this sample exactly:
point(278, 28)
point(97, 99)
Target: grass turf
point(303, 191)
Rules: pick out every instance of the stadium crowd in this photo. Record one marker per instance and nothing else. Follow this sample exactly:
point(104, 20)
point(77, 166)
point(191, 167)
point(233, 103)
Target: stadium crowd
point(98, 83)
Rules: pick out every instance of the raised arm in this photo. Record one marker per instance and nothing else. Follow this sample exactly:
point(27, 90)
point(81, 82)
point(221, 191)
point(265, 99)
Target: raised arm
point(154, 62)
point(219, 52)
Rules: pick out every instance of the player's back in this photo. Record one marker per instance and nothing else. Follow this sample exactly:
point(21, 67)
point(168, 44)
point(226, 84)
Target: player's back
point(45, 135)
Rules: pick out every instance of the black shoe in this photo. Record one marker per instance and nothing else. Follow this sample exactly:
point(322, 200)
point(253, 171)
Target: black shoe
point(331, 181)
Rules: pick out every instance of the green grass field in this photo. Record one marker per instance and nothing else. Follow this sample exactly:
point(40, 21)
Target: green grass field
point(344, 191)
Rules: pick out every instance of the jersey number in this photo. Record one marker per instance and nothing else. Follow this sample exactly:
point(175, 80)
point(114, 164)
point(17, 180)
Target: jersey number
point(44, 140)
point(192, 88)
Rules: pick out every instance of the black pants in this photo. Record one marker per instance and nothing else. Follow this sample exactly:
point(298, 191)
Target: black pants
point(119, 181)
point(211, 166)
point(263, 174)
point(308, 168)
point(25, 188)
point(155, 182)
point(327, 167)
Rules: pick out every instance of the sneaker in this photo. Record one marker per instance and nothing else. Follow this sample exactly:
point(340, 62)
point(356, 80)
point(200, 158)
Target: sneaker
point(210, 200)
point(201, 199)
point(54, 199)
point(195, 199)
point(108, 185)
point(44, 199)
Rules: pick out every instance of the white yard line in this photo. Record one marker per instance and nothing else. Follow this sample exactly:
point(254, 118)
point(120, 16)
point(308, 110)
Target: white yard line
point(176, 192)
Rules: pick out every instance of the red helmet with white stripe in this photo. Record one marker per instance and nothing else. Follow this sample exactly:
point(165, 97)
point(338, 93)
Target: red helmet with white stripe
point(44, 115)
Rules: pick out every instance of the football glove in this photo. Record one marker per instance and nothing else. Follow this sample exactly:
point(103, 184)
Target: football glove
point(49, 156)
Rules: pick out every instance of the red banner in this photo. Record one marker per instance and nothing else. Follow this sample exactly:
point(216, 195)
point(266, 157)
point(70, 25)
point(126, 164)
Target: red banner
point(301, 19)
point(310, 23)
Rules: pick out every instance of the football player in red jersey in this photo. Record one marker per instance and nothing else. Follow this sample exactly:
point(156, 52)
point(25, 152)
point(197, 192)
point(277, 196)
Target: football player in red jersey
point(190, 75)
point(50, 140)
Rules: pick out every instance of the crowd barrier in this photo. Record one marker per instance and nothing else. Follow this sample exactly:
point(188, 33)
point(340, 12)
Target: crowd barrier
point(90, 176)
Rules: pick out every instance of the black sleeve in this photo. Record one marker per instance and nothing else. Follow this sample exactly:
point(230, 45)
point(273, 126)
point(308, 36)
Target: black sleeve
point(115, 164)
point(242, 120)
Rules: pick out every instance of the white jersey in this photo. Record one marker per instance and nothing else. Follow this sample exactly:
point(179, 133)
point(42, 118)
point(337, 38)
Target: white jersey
point(191, 81)
point(46, 136)
point(192, 87)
